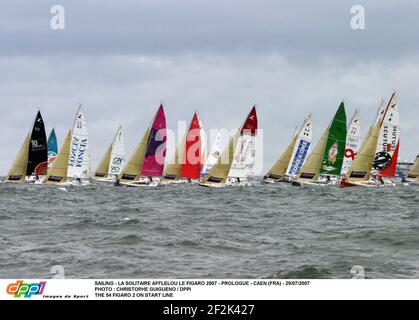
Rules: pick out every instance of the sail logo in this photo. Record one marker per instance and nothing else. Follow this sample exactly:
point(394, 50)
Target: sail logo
point(26, 290)
point(299, 157)
point(333, 152)
point(78, 150)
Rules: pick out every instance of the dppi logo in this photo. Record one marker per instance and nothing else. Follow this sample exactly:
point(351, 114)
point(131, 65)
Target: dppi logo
point(27, 290)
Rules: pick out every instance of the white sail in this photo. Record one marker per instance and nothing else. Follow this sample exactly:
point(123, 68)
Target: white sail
point(117, 160)
point(79, 160)
point(213, 155)
point(301, 148)
point(353, 143)
point(244, 157)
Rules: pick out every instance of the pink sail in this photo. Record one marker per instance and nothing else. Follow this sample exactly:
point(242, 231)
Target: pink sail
point(156, 147)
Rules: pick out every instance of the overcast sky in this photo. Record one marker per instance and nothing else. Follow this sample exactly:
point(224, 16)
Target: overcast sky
point(121, 58)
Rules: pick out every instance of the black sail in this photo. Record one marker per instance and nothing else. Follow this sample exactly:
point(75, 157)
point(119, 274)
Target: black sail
point(38, 149)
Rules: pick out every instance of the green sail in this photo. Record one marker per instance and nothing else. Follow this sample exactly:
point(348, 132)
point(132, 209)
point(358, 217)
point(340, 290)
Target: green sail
point(335, 145)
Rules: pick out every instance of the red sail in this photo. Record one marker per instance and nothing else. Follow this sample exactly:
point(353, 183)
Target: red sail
point(191, 168)
point(390, 171)
point(250, 126)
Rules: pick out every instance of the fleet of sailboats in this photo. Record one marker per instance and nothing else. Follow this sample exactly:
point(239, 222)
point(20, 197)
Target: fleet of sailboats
point(340, 157)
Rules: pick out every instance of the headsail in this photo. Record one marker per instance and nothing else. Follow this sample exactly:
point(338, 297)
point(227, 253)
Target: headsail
point(58, 173)
point(361, 167)
point(220, 171)
point(52, 148)
point(279, 169)
point(301, 148)
point(353, 140)
point(156, 147)
point(335, 145)
point(311, 168)
point(38, 150)
point(103, 167)
point(79, 160)
point(191, 166)
point(385, 160)
point(17, 172)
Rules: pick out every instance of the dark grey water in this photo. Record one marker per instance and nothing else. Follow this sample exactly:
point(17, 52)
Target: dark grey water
point(264, 231)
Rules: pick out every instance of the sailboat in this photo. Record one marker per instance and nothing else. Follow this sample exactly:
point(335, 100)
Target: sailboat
point(386, 156)
point(326, 159)
point(213, 155)
point(72, 164)
point(52, 148)
point(361, 170)
point(113, 161)
point(32, 160)
point(147, 161)
point(413, 173)
point(292, 159)
point(239, 150)
point(353, 141)
point(186, 163)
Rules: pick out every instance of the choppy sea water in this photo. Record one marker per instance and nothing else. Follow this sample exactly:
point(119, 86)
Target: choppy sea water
point(187, 231)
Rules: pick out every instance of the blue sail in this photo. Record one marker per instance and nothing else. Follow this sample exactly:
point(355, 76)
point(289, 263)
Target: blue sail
point(52, 148)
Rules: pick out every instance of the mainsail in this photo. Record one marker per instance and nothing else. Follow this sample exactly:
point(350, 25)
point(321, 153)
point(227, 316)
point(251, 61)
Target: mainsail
point(79, 160)
point(38, 150)
point(156, 147)
point(244, 157)
point(220, 171)
point(335, 145)
point(52, 148)
point(353, 140)
point(58, 173)
point(191, 167)
point(117, 158)
point(301, 147)
point(385, 160)
point(213, 155)
point(103, 167)
point(17, 172)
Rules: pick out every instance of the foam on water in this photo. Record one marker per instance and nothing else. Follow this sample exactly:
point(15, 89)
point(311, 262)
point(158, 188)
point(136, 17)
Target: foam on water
point(186, 231)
